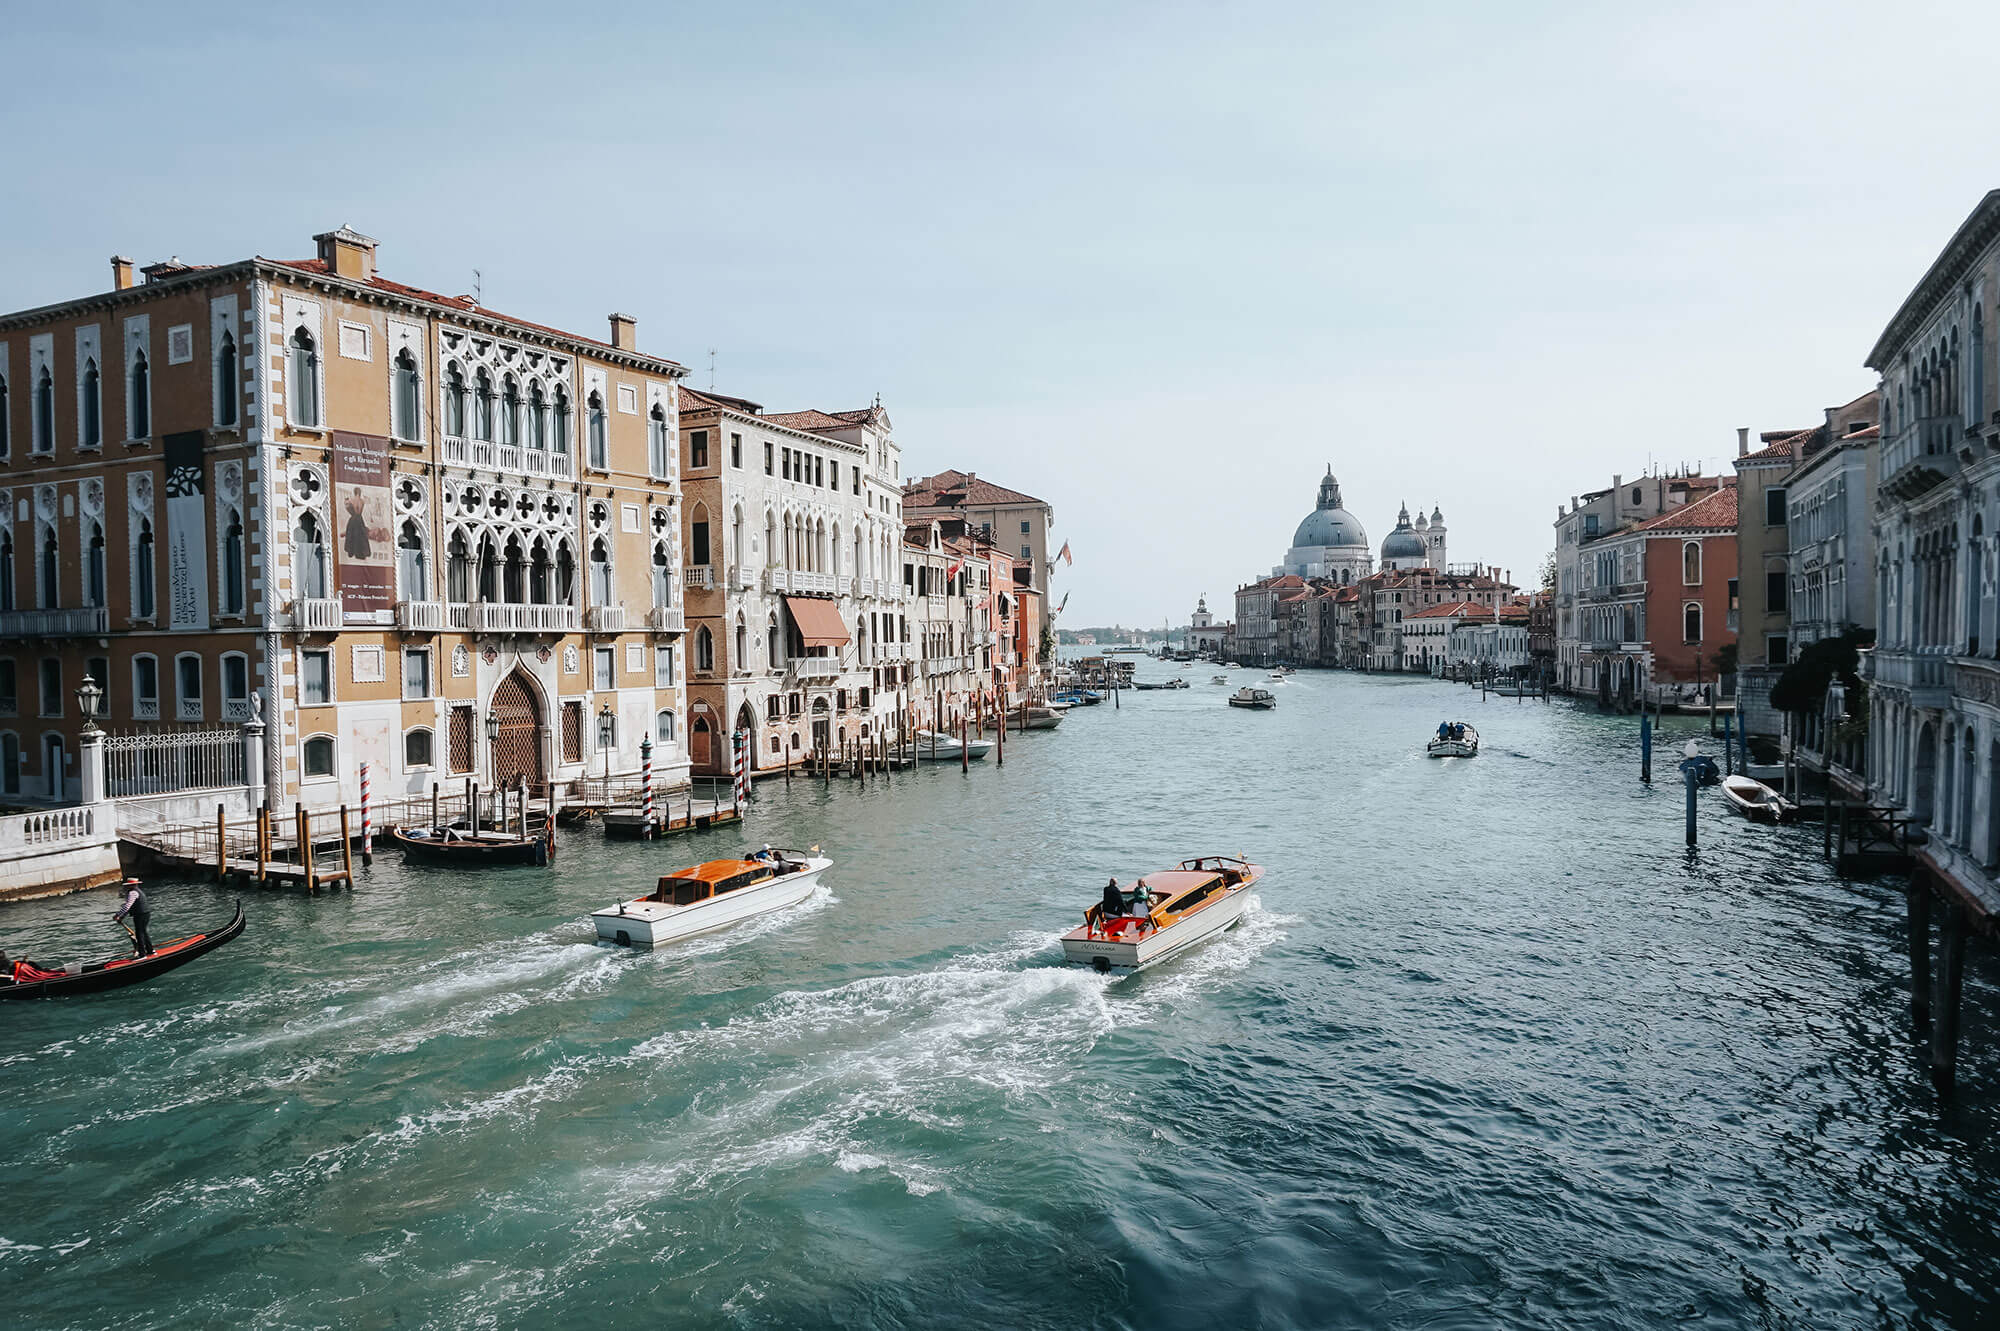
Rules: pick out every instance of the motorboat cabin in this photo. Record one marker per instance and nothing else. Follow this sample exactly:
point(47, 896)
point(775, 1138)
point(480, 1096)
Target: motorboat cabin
point(708, 896)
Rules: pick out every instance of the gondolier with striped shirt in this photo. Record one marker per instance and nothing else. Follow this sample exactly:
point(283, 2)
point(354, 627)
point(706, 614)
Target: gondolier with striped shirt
point(142, 915)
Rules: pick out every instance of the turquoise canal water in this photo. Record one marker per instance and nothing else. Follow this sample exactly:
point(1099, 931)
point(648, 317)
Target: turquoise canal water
point(1491, 1050)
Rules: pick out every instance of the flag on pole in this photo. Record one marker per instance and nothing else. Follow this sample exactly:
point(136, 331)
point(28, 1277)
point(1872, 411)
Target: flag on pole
point(952, 572)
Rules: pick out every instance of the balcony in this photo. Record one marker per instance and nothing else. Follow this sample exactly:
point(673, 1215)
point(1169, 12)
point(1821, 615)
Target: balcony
point(700, 579)
point(498, 617)
point(604, 619)
point(78, 622)
point(777, 579)
point(864, 587)
point(420, 616)
point(1923, 674)
point(892, 651)
point(316, 614)
point(740, 578)
point(814, 667)
point(1920, 457)
point(666, 619)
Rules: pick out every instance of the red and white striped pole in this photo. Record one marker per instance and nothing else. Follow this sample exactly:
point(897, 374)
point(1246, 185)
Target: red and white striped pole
point(646, 777)
point(367, 833)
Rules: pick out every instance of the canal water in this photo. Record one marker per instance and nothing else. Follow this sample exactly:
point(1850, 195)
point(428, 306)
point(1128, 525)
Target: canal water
point(1490, 1050)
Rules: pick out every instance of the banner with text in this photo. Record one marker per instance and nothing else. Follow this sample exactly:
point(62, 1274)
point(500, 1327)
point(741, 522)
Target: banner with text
point(361, 517)
point(187, 531)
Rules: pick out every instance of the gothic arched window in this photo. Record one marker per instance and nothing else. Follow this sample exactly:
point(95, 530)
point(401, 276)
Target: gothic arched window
point(302, 375)
point(90, 430)
point(600, 456)
point(142, 572)
point(405, 402)
point(482, 406)
point(227, 381)
point(93, 579)
point(311, 561)
point(458, 569)
point(454, 401)
point(139, 398)
point(412, 568)
point(232, 566)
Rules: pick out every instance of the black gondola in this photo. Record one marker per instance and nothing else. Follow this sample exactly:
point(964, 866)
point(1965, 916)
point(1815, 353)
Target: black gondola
point(450, 845)
point(121, 971)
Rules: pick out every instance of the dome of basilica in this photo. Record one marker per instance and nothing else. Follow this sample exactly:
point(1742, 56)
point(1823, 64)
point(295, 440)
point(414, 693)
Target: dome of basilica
point(1329, 524)
point(1403, 543)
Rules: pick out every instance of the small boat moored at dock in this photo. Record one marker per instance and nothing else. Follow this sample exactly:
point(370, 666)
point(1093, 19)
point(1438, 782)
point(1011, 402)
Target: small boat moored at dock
point(1454, 739)
point(97, 976)
point(1254, 698)
point(708, 896)
point(936, 746)
point(1164, 914)
point(467, 849)
point(1757, 801)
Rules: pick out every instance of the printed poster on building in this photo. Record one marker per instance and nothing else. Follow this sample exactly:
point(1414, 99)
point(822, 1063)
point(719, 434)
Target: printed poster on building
point(187, 532)
point(362, 528)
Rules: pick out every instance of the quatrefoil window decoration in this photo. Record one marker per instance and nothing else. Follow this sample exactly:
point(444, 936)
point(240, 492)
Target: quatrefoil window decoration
point(659, 522)
point(409, 495)
point(600, 515)
point(306, 485)
point(525, 506)
point(551, 509)
point(499, 501)
point(471, 497)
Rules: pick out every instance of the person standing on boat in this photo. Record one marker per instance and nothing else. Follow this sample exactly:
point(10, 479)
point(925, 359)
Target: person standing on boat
point(1114, 900)
point(135, 906)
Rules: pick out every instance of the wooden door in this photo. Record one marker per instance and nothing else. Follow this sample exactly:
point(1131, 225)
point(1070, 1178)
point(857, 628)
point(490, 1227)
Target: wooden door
point(517, 751)
point(699, 741)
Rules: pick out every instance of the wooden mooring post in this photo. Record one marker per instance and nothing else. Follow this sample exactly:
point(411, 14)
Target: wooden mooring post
point(1645, 748)
point(263, 839)
point(221, 844)
point(1918, 911)
point(1945, 1003)
point(346, 850)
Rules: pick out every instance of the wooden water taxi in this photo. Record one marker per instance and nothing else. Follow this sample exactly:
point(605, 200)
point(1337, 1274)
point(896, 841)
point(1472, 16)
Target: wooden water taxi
point(1757, 801)
point(1256, 699)
point(1179, 908)
point(463, 848)
point(708, 896)
point(1454, 739)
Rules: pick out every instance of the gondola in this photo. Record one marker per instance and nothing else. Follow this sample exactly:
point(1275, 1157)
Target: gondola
point(121, 971)
point(450, 845)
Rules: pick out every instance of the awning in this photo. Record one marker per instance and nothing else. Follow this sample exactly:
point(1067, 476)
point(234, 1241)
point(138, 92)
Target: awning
point(818, 621)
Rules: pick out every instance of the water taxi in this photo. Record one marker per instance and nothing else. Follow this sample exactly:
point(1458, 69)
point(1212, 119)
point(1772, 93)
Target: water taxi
point(1164, 914)
point(708, 896)
point(1255, 698)
point(1454, 739)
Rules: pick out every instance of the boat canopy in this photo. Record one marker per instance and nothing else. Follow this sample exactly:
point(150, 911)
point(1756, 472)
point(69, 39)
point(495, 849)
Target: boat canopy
point(698, 883)
point(818, 621)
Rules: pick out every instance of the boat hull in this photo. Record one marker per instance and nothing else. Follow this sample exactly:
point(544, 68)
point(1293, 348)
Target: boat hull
point(471, 854)
point(122, 971)
point(1452, 748)
point(651, 924)
point(1120, 954)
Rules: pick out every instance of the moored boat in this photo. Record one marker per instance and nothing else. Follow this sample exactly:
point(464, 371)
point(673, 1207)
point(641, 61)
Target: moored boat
point(1164, 914)
point(1757, 801)
point(467, 849)
point(97, 976)
point(935, 745)
point(708, 896)
point(1454, 739)
point(1254, 698)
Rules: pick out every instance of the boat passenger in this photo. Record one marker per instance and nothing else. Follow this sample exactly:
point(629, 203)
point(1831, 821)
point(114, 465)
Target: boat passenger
point(1444, 729)
point(25, 971)
point(1114, 900)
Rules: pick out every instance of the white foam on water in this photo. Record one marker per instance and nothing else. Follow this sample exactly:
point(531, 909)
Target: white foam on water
point(1208, 966)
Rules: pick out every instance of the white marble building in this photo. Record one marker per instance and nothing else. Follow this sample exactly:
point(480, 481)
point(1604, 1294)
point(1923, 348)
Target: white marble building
point(1329, 542)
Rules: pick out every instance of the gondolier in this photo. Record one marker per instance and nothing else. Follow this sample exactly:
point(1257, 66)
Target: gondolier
point(141, 914)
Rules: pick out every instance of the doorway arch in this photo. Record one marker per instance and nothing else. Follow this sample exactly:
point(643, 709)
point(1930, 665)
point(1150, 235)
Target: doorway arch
point(701, 742)
point(517, 748)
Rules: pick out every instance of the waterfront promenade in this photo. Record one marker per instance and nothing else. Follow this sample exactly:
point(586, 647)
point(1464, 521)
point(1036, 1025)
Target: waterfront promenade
point(1492, 1050)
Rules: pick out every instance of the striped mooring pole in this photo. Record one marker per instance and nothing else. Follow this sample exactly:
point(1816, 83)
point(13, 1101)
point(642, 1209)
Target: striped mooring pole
point(367, 832)
point(646, 777)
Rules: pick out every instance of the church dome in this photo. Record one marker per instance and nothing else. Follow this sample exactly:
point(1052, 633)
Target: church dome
point(1329, 524)
point(1403, 543)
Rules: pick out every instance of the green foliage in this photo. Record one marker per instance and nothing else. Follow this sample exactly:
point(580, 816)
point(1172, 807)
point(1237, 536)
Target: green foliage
point(1724, 659)
point(1802, 688)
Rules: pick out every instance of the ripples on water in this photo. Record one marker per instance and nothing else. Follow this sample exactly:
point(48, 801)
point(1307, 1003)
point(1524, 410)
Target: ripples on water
point(1490, 1049)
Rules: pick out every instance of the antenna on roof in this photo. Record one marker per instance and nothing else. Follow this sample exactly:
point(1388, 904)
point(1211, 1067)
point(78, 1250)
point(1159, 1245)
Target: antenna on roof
point(476, 288)
point(711, 369)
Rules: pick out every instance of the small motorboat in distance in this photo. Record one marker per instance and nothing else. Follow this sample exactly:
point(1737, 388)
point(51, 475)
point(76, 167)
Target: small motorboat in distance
point(1259, 699)
point(935, 745)
point(121, 971)
point(708, 896)
point(1180, 907)
point(1454, 739)
point(1218, 679)
point(1757, 801)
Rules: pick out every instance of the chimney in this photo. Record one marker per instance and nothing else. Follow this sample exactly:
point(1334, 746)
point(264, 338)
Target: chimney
point(122, 273)
point(624, 332)
point(347, 253)
point(1742, 441)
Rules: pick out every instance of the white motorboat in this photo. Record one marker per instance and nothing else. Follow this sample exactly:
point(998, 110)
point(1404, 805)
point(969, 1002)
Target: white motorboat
point(935, 745)
point(1454, 739)
point(1163, 915)
point(1255, 698)
point(1757, 801)
point(708, 896)
point(1219, 679)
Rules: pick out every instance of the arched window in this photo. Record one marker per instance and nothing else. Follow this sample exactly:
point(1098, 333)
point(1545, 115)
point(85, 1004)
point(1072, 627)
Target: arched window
point(1691, 622)
point(565, 574)
point(418, 746)
point(704, 650)
point(406, 425)
point(657, 443)
point(561, 419)
point(232, 566)
point(45, 413)
point(663, 576)
point(143, 577)
point(539, 570)
point(538, 419)
point(310, 561)
point(454, 401)
point(510, 411)
point(515, 576)
point(302, 376)
point(139, 400)
point(6, 437)
point(227, 381)
point(489, 569)
point(1691, 563)
point(482, 406)
point(600, 454)
point(736, 536)
point(742, 643)
point(774, 642)
point(458, 569)
point(663, 728)
point(51, 571)
point(318, 756)
point(6, 566)
point(90, 429)
point(412, 569)
point(600, 573)
point(93, 576)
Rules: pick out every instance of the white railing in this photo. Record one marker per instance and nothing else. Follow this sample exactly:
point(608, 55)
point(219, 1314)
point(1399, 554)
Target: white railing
point(510, 457)
point(316, 614)
point(455, 452)
point(815, 582)
point(667, 619)
point(890, 651)
point(701, 578)
point(485, 453)
point(604, 619)
point(51, 827)
point(777, 580)
point(498, 617)
point(934, 604)
point(420, 616)
point(236, 709)
point(740, 578)
point(459, 615)
point(78, 620)
point(155, 763)
point(1911, 670)
point(815, 667)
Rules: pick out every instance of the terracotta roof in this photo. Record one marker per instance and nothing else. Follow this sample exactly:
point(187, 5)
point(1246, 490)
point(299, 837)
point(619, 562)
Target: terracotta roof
point(963, 490)
point(462, 303)
point(1716, 512)
point(1784, 445)
point(1871, 432)
point(694, 400)
point(1467, 609)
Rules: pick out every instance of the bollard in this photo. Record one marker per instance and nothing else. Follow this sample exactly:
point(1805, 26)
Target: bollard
point(367, 827)
point(1728, 746)
point(964, 746)
point(1645, 748)
point(1693, 751)
point(645, 781)
point(434, 807)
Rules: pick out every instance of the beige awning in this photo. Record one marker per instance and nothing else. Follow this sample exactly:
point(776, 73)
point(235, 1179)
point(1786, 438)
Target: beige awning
point(818, 621)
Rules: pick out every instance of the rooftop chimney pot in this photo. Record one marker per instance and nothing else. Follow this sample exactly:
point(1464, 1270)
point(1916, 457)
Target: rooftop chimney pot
point(122, 273)
point(347, 253)
point(1742, 441)
point(624, 332)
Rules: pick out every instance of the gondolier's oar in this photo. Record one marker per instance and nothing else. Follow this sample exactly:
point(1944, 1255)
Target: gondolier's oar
point(128, 932)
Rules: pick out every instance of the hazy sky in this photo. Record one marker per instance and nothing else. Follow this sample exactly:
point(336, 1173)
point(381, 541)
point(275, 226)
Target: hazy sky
point(1158, 264)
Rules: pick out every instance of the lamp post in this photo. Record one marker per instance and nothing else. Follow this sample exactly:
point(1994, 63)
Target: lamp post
point(492, 748)
point(88, 695)
point(606, 719)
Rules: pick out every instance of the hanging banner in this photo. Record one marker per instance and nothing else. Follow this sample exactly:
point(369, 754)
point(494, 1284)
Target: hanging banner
point(362, 524)
point(187, 532)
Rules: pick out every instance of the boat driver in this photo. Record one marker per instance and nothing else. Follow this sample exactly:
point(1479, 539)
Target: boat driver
point(1114, 900)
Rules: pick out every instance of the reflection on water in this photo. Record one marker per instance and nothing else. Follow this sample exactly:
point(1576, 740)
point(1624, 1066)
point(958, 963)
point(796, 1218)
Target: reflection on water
point(1488, 1049)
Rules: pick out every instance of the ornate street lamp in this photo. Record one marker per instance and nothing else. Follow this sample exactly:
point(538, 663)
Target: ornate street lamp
point(492, 747)
point(88, 695)
point(606, 719)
